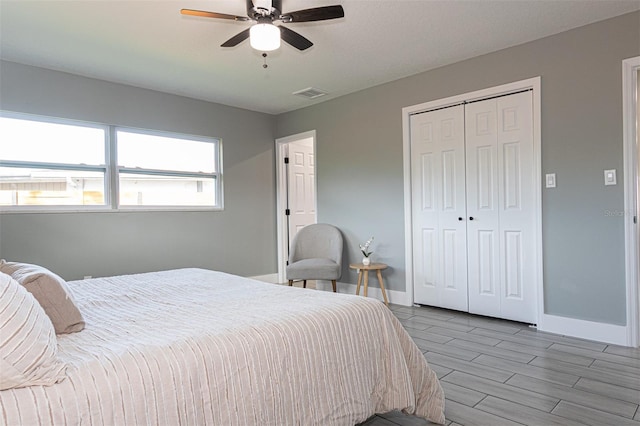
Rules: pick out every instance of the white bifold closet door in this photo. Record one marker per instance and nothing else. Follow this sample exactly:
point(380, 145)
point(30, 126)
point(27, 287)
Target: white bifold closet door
point(473, 207)
point(438, 198)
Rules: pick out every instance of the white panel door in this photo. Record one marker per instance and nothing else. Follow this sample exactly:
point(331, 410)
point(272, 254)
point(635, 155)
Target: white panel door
point(516, 186)
point(483, 237)
point(500, 199)
point(301, 177)
point(438, 192)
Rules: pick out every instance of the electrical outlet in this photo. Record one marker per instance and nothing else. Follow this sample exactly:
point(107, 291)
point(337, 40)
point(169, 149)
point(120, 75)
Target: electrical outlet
point(86, 277)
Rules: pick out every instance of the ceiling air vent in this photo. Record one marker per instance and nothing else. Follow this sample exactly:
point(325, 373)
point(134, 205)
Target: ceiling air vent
point(310, 93)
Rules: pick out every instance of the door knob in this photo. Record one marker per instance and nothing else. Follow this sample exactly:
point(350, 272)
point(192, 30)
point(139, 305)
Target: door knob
point(470, 217)
point(460, 218)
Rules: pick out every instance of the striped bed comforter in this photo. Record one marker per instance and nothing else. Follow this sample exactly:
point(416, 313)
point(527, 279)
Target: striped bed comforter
point(198, 347)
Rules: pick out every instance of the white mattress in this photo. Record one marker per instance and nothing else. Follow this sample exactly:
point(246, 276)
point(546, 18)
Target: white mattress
point(197, 347)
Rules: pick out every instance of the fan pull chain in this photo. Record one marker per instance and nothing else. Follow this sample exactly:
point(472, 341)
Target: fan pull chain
point(264, 55)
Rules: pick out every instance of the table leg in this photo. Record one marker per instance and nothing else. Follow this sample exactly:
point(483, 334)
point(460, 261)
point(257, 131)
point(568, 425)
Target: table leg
point(366, 281)
point(384, 293)
point(359, 281)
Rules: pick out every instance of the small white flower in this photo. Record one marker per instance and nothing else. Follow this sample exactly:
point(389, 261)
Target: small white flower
point(365, 248)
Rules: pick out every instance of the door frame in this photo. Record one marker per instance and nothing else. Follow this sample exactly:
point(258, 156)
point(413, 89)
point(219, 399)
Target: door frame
point(631, 157)
point(281, 196)
point(505, 89)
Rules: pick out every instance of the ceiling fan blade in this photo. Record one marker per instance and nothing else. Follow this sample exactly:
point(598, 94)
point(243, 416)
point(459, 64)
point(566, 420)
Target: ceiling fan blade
point(206, 14)
point(294, 39)
point(237, 39)
point(315, 14)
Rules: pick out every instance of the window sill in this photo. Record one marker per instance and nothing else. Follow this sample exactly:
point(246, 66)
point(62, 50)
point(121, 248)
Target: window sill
point(107, 210)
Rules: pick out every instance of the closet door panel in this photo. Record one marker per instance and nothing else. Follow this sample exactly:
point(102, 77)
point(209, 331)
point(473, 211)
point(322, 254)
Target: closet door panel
point(425, 209)
point(438, 193)
point(483, 208)
point(486, 274)
point(517, 209)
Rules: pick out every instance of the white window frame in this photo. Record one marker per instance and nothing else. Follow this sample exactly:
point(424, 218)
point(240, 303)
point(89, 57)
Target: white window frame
point(111, 170)
point(61, 166)
point(217, 175)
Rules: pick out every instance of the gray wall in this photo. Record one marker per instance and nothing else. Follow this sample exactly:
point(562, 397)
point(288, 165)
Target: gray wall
point(359, 170)
point(239, 239)
point(360, 174)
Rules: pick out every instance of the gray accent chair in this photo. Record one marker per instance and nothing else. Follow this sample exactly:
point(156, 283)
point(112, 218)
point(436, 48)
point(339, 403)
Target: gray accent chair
point(316, 254)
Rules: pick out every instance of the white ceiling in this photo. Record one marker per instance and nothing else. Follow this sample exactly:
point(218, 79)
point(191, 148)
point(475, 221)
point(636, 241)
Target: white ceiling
point(147, 43)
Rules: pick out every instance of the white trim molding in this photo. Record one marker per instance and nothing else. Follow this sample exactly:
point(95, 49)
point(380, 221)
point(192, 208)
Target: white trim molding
point(601, 332)
point(631, 157)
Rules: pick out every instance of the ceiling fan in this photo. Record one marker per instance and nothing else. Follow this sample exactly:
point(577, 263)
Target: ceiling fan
point(264, 35)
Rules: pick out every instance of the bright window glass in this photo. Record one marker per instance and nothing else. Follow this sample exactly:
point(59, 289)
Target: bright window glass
point(47, 163)
point(160, 170)
point(155, 152)
point(37, 141)
point(50, 187)
point(155, 190)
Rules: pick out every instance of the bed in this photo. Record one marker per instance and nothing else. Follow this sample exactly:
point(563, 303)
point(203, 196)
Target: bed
point(199, 347)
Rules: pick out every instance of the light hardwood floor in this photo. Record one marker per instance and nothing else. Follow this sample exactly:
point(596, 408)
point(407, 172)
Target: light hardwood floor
point(497, 372)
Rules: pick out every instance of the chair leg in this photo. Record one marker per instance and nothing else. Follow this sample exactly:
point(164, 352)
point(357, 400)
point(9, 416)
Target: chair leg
point(290, 283)
point(333, 283)
point(304, 283)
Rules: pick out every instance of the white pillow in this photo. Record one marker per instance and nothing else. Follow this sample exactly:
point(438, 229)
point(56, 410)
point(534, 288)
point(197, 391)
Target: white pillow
point(28, 344)
point(50, 291)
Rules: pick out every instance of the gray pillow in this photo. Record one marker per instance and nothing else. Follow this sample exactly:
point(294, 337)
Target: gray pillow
point(50, 291)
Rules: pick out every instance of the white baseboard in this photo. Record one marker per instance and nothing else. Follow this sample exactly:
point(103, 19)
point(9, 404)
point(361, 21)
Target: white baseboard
point(394, 296)
point(606, 333)
point(269, 278)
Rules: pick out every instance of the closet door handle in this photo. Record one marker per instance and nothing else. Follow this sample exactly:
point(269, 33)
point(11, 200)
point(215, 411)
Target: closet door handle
point(470, 217)
point(460, 219)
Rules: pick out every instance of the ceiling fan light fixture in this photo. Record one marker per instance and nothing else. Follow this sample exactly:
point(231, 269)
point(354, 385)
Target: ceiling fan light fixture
point(264, 37)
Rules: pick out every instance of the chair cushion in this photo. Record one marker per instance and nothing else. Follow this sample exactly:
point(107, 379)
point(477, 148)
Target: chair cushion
point(313, 269)
point(318, 241)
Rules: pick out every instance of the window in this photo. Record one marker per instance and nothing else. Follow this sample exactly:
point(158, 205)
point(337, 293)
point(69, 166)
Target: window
point(48, 164)
point(166, 170)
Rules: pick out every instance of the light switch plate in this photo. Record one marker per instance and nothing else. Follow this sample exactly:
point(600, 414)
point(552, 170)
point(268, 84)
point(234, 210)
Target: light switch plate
point(550, 180)
point(610, 177)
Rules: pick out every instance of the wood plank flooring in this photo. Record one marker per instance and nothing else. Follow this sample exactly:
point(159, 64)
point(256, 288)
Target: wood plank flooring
point(497, 372)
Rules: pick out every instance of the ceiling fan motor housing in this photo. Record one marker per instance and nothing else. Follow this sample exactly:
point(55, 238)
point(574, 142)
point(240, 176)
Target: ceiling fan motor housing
point(264, 8)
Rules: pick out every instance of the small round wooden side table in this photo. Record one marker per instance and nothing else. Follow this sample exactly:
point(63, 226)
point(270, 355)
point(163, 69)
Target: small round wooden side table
point(364, 270)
